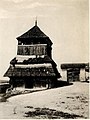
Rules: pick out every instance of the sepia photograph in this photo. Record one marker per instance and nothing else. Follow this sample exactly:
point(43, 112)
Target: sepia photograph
point(44, 59)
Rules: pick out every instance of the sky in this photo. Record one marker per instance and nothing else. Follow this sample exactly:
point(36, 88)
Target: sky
point(64, 21)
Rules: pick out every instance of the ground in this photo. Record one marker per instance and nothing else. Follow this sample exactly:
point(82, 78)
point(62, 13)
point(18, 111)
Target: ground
point(63, 102)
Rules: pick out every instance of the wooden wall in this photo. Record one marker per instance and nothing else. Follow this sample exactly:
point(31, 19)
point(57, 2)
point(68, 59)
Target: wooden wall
point(32, 49)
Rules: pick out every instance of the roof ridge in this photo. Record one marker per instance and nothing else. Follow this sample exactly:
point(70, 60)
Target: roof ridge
point(35, 31)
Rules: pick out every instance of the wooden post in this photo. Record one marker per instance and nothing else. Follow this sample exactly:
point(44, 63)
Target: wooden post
point(48, 84)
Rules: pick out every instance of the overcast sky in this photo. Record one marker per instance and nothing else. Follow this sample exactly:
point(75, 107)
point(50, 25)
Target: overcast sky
point(64, 21)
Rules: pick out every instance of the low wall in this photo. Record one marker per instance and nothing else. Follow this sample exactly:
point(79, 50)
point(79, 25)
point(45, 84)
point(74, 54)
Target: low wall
point(3, 87)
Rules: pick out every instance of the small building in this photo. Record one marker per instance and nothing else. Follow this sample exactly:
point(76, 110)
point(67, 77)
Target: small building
point(33, 66)
point(75, 72)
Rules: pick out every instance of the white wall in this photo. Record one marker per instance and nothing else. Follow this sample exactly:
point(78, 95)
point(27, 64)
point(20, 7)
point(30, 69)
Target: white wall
point(87, 75)
point(64, 75)
point(82, 74)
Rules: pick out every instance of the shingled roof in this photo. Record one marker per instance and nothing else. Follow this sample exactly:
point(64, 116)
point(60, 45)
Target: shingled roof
point(38, 61)
point(35, 33)
point(29, 71)
point(45, 59)
point(72, 65)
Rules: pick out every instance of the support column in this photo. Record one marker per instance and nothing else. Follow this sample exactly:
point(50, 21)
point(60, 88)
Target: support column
point(64, 75)
point(82, 74)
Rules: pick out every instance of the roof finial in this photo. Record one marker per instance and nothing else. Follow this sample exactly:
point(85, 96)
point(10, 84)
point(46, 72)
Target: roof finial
point(36, 22)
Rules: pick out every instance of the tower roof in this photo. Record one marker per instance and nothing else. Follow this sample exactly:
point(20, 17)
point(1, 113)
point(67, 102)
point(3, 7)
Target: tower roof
point(35, 33)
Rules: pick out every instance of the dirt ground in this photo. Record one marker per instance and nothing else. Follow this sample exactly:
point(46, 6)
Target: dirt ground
point(69, 102)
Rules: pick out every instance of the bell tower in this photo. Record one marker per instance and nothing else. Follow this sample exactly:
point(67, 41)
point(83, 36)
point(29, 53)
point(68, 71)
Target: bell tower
point(33, 64)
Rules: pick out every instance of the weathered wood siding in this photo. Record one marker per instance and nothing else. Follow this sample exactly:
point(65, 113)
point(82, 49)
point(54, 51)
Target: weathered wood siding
point(32, 49)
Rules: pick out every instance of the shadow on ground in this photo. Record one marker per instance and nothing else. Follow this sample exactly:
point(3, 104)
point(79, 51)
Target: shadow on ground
point(63, 83)
point(47, 113)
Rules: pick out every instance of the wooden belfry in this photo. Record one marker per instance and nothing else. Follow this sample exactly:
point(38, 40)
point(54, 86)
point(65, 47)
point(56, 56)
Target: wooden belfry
point(33, 66)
